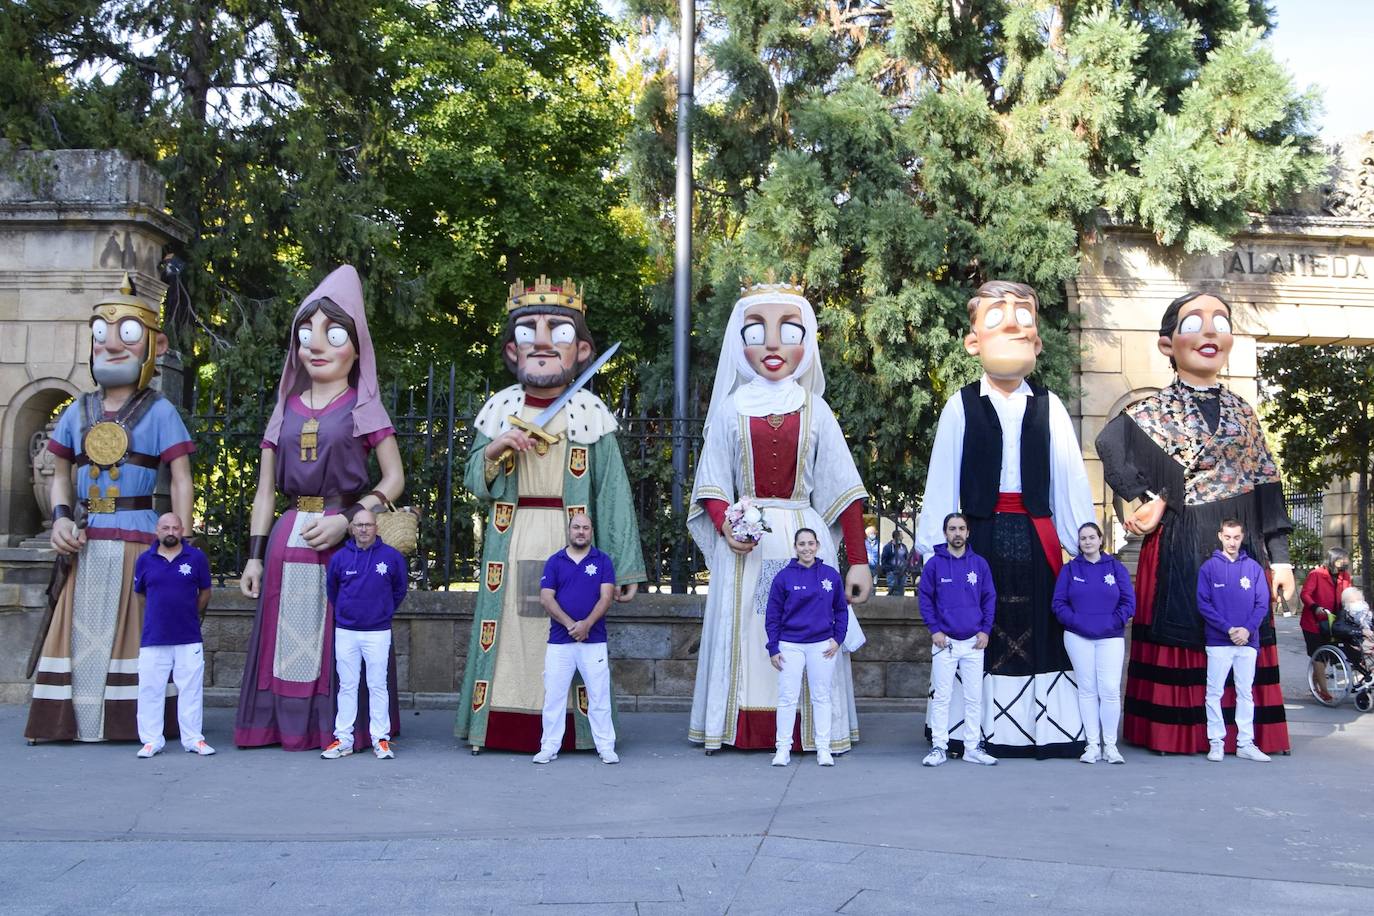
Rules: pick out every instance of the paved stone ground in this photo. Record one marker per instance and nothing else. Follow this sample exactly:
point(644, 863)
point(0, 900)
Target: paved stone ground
point(91, 828)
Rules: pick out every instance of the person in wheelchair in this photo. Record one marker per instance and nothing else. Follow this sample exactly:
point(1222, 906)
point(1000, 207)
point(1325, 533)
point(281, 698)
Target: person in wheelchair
point(1353, 630)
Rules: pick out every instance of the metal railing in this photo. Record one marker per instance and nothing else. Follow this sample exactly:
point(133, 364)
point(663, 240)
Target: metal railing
point(433, 422)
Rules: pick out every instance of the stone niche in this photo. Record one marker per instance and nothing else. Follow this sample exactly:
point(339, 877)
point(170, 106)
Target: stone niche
point(72, 222)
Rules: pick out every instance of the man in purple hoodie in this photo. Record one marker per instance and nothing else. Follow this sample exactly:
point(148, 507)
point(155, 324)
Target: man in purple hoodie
point(365, 581)
point(1233, 599)
point(957, 600)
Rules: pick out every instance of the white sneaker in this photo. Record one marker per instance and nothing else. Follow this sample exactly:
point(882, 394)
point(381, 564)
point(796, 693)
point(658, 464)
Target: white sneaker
point(978, 755)
point(824, 758)
point(609, 757)
point(1091, 755)
point(1250, 752)
point(546, 756)
point(148, 750)
point(201, 748)
point(783, 757)
point(1111, 754)
point(1217, 753)
point(936, 757)
point(336, 750)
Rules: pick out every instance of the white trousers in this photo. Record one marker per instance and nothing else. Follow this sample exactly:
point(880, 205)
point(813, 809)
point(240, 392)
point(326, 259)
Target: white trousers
point(807, 657)
point(961, 656)
point(186, 665)
point(1239, 661)
point(1097, 668)
point(590, 660)
point(353, 649)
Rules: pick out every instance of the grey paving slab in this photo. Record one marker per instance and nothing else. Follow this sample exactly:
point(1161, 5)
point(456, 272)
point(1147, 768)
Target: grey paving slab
point(89, 828)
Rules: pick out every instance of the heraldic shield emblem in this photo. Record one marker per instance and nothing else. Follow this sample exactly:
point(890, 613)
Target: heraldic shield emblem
point(479, 695)
point(574, 511)
point(501, 515)
point(577, 460)
point(495, 573)
point(486, 638)
point(582, 699)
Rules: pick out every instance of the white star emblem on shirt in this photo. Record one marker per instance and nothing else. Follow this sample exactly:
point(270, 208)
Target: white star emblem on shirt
point(1109, 579)
point(184, 569)
point(590, 569)
point(972, 578)
point(827, 585)
point(381, 568)
point(1245, 582)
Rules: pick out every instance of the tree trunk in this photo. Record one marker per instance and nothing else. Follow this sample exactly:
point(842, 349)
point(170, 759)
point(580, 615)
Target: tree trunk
point(1362, 520)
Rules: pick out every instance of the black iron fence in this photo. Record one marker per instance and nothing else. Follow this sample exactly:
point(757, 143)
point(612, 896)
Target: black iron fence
point(433, 424)
point(1305, 544)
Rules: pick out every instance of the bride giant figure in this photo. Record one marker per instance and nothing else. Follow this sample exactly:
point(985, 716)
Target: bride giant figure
point(770, 437)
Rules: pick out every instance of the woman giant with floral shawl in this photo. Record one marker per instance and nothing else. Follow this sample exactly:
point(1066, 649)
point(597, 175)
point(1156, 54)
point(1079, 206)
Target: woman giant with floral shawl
point(1196, 452)
point(770, 436)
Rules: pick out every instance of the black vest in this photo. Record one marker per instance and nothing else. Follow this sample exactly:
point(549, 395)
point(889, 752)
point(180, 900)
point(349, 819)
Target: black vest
point(980, 474)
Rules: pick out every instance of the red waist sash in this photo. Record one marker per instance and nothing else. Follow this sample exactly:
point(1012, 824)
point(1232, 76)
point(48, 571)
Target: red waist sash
point(1044, 528)
point(539, 502)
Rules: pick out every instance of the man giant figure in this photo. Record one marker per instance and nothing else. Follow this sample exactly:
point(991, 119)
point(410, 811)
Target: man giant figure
point(1006, 457)
point(116, 437)
point(535, 473)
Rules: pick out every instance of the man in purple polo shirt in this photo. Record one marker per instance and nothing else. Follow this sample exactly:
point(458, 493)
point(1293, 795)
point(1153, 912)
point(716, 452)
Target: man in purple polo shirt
point(172, 579)
point(576, 590)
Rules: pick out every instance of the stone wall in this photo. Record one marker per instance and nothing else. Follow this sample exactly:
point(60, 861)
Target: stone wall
point(653, 644)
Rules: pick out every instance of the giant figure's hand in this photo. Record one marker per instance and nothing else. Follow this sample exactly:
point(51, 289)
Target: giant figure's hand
point(858, 583)
point(511, 440)
point(1145, 519)
point(250, 581)
point(627, 592)
point(740, 547)
point(66, 538)
point(323, 533)
point(1283, 581)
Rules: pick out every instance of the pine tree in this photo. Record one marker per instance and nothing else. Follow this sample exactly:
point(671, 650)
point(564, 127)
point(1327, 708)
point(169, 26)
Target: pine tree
point(896, 155)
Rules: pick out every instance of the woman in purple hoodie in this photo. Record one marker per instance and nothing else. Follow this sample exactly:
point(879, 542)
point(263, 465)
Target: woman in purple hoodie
point(1093, 599)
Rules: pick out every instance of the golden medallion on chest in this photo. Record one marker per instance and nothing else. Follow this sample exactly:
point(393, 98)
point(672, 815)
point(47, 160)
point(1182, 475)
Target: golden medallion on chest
point(310, 439)
point(775, 420)
point(105, 445)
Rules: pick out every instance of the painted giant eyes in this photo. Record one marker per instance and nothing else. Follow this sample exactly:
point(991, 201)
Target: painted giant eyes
point(100, 330)
point(1190, 325)
point(1024, 317)
point(337, 336)
point(564, 334)
point(1221, 323)
point(303, 335)
point(753, 334)
point(524, 334)
point(993, 318)
point(130, 331)
point(792, 333)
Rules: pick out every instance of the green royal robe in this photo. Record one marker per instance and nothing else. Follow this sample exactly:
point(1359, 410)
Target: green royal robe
point(502, 694)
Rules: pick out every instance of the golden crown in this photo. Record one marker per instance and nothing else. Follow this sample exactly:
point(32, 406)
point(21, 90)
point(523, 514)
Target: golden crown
point(544, 291)
point(748, 287)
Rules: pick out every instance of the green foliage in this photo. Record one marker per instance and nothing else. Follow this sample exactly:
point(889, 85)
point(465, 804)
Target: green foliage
point(895, 155)
point(1321, 406)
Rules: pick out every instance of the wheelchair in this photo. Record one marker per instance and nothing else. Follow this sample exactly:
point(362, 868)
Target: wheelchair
point(1347, 674)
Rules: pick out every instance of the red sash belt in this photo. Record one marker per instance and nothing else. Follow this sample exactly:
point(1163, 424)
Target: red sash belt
point(539, 502)
point(1044, 528)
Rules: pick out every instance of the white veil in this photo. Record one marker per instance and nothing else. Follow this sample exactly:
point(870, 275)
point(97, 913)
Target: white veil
point(738, 388)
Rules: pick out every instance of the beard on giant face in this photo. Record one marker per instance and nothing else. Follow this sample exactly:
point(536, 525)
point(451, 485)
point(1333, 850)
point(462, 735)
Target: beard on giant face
point(543, 379)
point(114, 375)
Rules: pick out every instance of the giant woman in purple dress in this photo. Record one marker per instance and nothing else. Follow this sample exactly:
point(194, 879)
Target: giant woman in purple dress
point(327, 421)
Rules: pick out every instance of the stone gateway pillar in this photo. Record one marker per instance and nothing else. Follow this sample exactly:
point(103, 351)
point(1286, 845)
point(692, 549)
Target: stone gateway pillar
point(72, 223)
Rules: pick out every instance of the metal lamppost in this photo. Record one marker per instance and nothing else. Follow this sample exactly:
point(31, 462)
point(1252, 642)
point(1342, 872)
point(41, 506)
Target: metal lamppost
point(682, 268)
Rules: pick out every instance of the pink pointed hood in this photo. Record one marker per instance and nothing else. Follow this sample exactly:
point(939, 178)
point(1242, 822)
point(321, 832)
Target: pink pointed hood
point(345, 288)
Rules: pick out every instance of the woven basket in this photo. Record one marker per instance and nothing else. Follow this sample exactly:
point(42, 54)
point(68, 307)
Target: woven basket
point(399, 528)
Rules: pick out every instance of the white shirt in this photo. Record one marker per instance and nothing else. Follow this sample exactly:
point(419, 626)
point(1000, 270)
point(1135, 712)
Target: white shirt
point(1071, 499)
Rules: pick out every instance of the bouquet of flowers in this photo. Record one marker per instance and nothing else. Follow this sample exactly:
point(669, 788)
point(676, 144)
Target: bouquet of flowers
point(746, 521)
